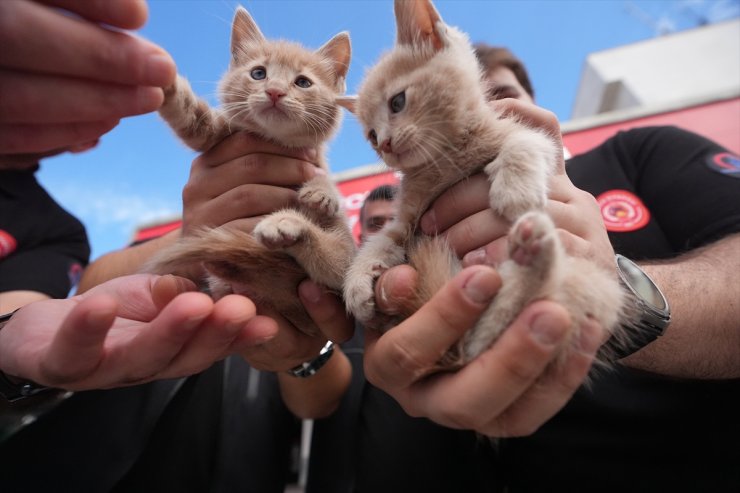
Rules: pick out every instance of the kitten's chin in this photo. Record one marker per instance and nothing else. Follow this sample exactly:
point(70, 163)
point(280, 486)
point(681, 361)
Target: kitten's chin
point(403, 160)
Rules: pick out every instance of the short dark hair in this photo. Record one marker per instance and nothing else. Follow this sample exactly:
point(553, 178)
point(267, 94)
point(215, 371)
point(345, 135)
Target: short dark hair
point(381, 192)
point(491, 57)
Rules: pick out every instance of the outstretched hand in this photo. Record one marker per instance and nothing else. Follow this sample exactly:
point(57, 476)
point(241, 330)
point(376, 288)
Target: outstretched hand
point(127, 331)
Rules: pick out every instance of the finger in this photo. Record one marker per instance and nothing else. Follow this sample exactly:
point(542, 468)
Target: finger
point(327, 311)
point(214, 336)
point(64, 45)
point(492, 254)
point(125, 14)
point(140, 358)
point(244, 201)
point(476, 231)
point(166, 288)
point(48, 139)
point(52, 99)
point(243, 143)
point(77, 348)
point(408, 351)
point(550, 394)
point(499, 376)
point(395, 289)
point(456, 203)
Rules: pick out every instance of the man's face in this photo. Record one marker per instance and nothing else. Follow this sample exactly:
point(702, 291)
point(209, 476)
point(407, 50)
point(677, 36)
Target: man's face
point(376, 214)
point(505, 85)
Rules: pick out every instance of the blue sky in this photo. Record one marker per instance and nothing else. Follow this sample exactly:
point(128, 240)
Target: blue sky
point(136, 174)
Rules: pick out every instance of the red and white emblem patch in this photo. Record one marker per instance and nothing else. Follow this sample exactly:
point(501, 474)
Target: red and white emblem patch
point(7, 244)
point(622, 211)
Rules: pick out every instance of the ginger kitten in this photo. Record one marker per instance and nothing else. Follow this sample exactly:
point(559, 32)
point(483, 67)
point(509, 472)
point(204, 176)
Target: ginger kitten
point(424, 110)
point(284, 93)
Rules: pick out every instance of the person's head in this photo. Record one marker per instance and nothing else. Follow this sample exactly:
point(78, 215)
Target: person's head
point(377, 209)
point(506, 73)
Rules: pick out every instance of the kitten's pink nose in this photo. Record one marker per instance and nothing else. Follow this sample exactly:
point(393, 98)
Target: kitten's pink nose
point(274, 94)
point(385, 146)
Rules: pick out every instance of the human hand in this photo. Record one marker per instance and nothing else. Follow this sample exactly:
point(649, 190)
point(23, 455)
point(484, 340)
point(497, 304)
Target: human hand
point(127, 331)
point(290, 347)
point(71, 76)
point(463, 214)
point(241, 180)
point(509, 390)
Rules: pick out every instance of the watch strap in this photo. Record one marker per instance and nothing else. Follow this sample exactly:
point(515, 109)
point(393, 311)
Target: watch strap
point(309, 368)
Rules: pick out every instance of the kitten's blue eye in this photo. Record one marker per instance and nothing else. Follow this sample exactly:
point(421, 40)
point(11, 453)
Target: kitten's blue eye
point(372, 137)
point(397, 102)
point(303, 82)
point(258, 73)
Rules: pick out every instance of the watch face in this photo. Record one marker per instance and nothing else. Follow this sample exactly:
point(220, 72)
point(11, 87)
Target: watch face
point(641, 283)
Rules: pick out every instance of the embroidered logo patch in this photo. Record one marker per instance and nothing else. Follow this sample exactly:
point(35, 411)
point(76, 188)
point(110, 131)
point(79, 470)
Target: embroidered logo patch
point(622, 211)
point(725, 163)
point(7, 244)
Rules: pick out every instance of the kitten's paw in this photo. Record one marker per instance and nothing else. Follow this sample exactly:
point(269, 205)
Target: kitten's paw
point(531, 238)
point(320, 200)
point(279, 231)
point(359, 296)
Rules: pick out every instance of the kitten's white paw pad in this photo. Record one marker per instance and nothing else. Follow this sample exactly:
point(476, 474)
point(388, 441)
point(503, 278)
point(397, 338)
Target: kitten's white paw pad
point(532, 234)
point(279, 232)
point(319, 200)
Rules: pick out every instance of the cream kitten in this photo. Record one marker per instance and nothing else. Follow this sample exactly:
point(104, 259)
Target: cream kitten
point(424, 110)
point(286, 94)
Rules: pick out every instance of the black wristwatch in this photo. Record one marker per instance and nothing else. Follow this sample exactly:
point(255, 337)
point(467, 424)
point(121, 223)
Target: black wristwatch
point(648, 313)
point(10, 390)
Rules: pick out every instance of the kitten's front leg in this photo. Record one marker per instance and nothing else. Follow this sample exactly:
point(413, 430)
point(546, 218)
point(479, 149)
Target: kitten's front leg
point(197, 124)
point(379, 253)
point(519, 173)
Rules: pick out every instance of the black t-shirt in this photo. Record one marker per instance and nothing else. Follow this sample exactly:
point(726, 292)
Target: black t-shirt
point(663, 191)
point(42, 247)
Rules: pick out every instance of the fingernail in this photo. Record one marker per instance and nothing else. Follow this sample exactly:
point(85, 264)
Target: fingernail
point(476, 257)
point(481, 286)
point(429, 222)
point(160, 70)
point(547, 329)
point(312, 153)
point(192, 323)
point(148, 99)
point(311, 292)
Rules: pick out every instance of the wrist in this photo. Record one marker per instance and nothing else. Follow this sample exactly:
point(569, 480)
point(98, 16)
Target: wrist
point(13, 388)
point(311, 367)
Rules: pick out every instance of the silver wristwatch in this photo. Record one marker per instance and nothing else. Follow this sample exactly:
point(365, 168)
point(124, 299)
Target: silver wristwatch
point(648, 313)
point(310, 368)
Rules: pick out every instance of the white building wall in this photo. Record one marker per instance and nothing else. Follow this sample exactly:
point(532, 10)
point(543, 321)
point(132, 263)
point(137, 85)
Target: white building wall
point(690, 64)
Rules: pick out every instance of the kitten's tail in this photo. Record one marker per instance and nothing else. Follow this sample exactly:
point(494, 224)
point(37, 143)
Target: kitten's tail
point(436, 263)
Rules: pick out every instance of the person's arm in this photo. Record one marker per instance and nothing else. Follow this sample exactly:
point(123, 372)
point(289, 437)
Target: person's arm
point(703, 339)
point(71, 77)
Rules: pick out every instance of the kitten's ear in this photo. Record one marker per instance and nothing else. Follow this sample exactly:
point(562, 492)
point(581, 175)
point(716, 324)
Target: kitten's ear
point(339, 50)
point(243, 31)
point(346, 102)
point(416, 22)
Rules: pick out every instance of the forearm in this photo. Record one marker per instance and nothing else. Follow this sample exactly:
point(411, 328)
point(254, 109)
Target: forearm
point(124, 262)
point(11, 300)
point(319, 395)
point(703, 339)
